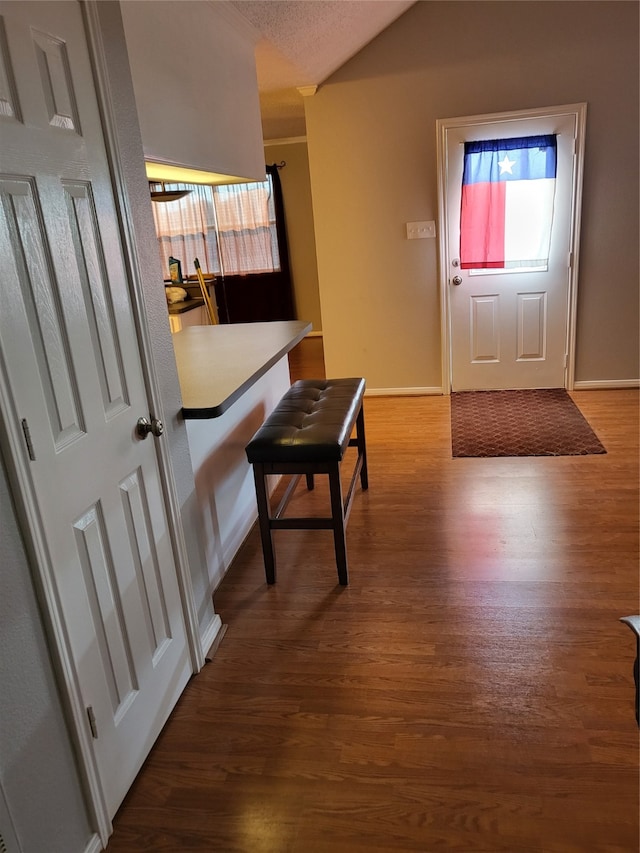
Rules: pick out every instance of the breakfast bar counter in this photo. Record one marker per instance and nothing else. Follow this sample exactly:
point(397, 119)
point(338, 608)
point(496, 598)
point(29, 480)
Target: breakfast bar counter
point(231, 378)
point(218, 364)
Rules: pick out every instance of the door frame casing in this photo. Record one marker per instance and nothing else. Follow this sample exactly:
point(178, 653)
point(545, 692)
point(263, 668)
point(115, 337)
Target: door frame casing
point(22, 487)
point(579, 111)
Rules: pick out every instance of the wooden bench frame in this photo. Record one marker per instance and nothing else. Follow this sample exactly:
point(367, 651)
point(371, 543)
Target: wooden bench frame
point(340, 508)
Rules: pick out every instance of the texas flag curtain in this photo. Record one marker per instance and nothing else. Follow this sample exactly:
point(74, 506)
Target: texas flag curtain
point(508, 188)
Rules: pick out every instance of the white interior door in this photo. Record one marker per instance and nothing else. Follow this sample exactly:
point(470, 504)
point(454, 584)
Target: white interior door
point(72, 374)
point(509, 329)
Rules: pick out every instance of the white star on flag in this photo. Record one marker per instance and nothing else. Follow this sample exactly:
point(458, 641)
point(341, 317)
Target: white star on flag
point(506, 165)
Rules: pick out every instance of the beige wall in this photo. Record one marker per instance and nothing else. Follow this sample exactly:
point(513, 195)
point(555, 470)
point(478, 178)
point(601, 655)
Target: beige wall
point(372, 154)
point(296, 192)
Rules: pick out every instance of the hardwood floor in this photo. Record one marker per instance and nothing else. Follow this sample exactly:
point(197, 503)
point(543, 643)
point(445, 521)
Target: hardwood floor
point(470, 690)
point(306, 361)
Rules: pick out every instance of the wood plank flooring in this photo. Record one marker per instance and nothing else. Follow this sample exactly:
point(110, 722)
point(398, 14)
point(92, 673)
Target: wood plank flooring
point(470, 690)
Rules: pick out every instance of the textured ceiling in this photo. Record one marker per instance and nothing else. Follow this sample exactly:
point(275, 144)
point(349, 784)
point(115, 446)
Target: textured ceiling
point(302, 42)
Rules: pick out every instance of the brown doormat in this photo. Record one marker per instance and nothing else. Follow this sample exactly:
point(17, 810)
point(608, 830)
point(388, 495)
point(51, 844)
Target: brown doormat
point(519, 423)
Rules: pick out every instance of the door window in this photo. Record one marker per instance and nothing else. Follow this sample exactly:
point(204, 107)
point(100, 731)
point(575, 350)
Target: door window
point(508, 190)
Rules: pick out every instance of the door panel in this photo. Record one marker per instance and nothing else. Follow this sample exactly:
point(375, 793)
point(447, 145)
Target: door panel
point(509, 329)
point(484, 328)
point(98, 304)
point(532, 326)
point(70, 355)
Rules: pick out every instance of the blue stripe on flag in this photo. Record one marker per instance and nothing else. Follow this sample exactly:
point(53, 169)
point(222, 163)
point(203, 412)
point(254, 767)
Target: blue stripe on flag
point(519, 159)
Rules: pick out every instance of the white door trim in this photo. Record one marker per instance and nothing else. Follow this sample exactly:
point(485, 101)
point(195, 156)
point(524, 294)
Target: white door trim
point(13, 446)
point(444, 125)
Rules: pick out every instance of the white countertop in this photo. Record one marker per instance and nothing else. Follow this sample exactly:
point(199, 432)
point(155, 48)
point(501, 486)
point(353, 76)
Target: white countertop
point(217, 364)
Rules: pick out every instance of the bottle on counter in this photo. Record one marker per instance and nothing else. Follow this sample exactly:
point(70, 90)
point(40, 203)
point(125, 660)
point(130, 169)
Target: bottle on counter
point(175, 270)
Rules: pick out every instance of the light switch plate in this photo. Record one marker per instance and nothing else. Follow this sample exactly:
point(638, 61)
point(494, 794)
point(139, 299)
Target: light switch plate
point(420, 230)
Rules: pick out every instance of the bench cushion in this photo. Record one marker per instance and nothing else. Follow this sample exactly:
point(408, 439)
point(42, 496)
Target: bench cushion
point(312, 423)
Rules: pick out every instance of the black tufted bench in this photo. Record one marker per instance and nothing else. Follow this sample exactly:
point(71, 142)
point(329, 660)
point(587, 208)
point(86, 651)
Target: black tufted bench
point(308, 433)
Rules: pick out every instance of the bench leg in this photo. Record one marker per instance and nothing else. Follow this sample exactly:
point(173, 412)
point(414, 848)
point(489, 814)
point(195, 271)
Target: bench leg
point(362, 449)
point(337, 514)
point(264, 518)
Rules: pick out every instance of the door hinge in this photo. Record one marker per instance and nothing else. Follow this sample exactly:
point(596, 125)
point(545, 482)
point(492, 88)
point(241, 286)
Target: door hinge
point(92, 722)
point(27, 439)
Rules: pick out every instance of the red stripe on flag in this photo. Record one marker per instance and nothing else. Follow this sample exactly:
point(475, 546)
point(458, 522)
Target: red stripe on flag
point(482, 218)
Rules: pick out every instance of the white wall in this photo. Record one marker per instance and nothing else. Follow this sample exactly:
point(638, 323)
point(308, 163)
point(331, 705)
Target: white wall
point(224, 479)
point(194, 78)
point(372, 155)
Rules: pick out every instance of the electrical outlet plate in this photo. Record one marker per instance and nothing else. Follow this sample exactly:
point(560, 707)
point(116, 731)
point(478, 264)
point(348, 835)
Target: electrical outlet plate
point(420, 230)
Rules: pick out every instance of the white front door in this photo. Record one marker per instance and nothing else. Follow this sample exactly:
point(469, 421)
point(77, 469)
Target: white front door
point(72, 377)
point(509, 329)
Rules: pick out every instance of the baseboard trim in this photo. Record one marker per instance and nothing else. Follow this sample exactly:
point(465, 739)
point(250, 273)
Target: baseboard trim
point(94, 845)
point(427, 391)
point(210, 634)
point(314, 334)
point(605, 384)
point(216, 644)
point(435, 390)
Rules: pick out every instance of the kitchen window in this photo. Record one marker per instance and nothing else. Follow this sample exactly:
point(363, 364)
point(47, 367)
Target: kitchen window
point(231, 229)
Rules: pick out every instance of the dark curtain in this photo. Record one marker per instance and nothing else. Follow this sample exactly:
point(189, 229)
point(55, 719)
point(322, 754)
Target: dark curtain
point(260, 297)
